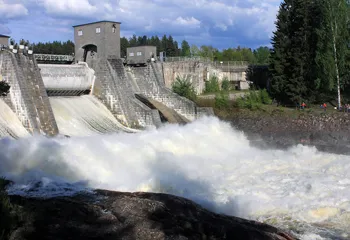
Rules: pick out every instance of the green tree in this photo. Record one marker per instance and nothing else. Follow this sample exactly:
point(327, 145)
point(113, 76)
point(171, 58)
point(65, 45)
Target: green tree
point(262, 55)
point(124, 44)
point(212, 86)
point(195, 51)
point(225, 84)
point(333, 47)
point(290, 56)
point(184, 87)
point(185, 49)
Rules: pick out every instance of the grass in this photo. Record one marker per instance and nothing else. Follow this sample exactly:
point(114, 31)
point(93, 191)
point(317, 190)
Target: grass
point(230, 91)
point(268, 110)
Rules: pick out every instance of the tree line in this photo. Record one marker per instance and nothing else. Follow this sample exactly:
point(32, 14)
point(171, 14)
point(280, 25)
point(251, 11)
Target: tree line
point(164, 44)
point(55, 47)
point(310, 59)
point(173, 49)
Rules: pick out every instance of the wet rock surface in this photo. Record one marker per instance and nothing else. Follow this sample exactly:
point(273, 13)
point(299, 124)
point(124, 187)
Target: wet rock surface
point(118, 215)
point(328, 132)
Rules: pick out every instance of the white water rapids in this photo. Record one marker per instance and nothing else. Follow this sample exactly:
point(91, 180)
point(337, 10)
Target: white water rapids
point(207, 161)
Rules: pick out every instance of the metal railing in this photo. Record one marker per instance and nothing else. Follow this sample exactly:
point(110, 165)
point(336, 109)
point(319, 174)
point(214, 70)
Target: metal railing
point(206, 60)
point(54, 57)
point(187, 59)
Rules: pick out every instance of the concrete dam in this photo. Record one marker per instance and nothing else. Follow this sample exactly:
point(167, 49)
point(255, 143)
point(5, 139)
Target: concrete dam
point(74, 99)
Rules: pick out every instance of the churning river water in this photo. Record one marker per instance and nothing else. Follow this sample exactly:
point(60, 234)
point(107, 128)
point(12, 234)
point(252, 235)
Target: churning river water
point(299, 189)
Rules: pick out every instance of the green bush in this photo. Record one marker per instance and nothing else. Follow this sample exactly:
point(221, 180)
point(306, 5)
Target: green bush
point(222, 101)
point(7, 219)
point(265, 97)
point(212, 86)
point(184, 88)
point(254, 100)
point(225, 85)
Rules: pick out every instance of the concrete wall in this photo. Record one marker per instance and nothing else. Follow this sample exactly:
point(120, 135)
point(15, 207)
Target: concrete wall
point(27, 98)
point(150, 82)
point(145, 51)
point(67, 79)
point(198, 72)
point(107, 40)
point(115, 90)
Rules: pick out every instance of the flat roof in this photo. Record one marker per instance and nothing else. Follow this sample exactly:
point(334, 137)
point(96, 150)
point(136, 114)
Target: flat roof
point(4, 36)
point(95, 22)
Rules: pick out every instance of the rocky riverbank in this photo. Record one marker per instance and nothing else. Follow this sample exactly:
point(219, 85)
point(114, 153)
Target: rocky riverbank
point(120, 215)
point(328, 131)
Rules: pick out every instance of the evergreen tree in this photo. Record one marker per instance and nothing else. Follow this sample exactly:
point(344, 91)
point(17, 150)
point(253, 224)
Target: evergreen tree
point(124, 44)
point(185, 49)
point(280, 43)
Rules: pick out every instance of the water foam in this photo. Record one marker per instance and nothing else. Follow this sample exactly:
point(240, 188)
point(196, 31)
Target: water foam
point(10, 125)
point(83, 116)
point(206, 161)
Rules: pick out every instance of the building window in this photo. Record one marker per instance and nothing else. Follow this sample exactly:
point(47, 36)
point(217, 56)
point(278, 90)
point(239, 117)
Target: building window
point(98, 30)
point(80, 33)
point(139, 53)
point(131, 54)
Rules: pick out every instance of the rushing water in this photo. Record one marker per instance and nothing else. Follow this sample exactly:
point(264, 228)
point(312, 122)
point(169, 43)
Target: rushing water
point(207, 161)
point(10, 125)
point(83, 116)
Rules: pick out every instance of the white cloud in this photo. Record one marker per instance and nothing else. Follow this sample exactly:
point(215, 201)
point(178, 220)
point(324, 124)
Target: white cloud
point(224, 22)
point(68, 7)
point(12, 10)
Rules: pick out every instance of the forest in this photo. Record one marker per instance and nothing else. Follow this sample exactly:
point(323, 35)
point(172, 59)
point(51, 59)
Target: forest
point(310, 58)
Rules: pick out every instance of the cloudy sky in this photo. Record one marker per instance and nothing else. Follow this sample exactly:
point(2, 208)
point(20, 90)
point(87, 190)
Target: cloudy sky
point(220, 23)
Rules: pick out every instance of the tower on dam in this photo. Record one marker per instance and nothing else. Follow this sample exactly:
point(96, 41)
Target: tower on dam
point(97, 40)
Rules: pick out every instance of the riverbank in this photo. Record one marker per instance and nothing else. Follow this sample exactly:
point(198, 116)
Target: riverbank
point(284, 127)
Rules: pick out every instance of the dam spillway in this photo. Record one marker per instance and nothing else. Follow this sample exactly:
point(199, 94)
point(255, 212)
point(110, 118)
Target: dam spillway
point(77, 100)
point(84, 115)
point(10, 125)
point(67, 80)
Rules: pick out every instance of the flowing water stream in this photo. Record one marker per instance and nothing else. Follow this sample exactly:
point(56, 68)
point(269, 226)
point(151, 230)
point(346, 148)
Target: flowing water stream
point(300, 189)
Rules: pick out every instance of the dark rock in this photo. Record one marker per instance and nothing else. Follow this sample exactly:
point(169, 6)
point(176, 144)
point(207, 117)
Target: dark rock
point(329, 132)
point(117, 215)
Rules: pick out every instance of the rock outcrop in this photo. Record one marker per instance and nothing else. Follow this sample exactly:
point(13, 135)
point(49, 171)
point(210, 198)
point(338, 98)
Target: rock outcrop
point(118, 215)
point(328, 131)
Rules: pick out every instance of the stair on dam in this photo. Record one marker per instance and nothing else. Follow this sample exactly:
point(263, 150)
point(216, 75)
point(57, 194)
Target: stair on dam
point(151, 83)
point(27, 97)
point(116, 92)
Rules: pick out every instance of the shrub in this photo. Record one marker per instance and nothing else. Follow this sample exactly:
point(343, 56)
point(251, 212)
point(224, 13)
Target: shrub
point(265, 97)
point(225, 84)
point(254, 100)
point(222, 101)
point(212, 86)
point(184, 88)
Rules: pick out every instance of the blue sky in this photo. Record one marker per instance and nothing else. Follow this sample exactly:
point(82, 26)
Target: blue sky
point(220, 23)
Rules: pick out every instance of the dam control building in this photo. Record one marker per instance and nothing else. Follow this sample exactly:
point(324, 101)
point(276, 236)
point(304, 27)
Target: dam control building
point(97, 40)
